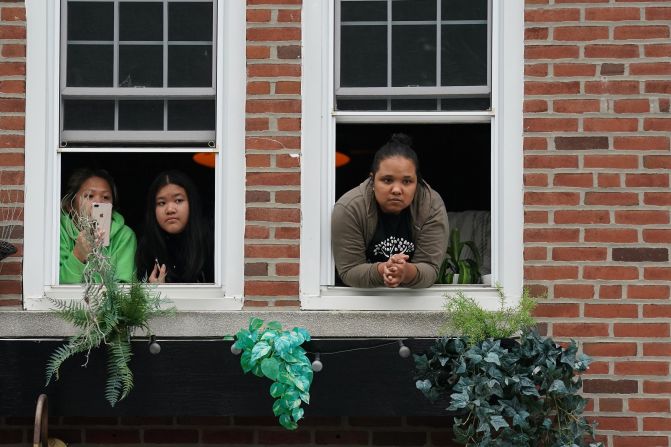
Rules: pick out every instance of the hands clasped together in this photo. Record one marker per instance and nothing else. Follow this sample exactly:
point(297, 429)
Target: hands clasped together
point(397, 270)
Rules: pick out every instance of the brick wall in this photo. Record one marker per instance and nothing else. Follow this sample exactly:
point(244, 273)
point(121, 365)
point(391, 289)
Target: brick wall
point(12, 108)
point(273, 127)
point(597, 200)
point(208, 431)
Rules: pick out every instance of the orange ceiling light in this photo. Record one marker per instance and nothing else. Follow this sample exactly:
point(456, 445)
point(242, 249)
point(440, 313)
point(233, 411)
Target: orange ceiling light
point(341, 159)
point(206, 159)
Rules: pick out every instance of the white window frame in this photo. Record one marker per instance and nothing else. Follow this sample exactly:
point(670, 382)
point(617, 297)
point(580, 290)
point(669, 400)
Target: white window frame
point(42, 170)
point(318, 167)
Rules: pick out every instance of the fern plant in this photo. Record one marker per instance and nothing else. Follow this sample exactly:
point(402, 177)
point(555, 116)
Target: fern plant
point(108, 315)
point(278, 355)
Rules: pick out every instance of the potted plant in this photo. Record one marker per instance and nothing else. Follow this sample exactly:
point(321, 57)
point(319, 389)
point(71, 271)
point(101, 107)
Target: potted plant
point(517, 393)
point(456, 269)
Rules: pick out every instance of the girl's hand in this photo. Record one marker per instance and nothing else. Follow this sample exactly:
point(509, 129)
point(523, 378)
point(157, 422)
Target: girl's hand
point(398, 270)
point(82, 248)
point(158, 274)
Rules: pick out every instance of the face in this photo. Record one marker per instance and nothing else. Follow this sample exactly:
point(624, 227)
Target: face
point(172, 208)
point(94, 189)
point(395, 183)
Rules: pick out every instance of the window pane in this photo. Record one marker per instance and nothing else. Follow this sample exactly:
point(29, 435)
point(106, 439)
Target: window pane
point(464, 55)
point(190, 66)
point(140, 21)
point(190, 21)
point(90, 21)
point(363, 56)
point(464, 9)
point(363, 11)
point(140, 115)
point(89, 65)
point(191, 115)
point(362, 104)
point(465, 104)
point(414, 104)
point(413, 55)
point(413, 10)
point(140, 66)
point(90, 114)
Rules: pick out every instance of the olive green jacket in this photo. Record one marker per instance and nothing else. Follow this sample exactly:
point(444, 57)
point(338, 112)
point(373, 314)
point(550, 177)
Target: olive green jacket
point(353, 225)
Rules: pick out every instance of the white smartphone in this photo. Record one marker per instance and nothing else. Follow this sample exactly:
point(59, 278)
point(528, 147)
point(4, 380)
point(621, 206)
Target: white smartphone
point(101, 213)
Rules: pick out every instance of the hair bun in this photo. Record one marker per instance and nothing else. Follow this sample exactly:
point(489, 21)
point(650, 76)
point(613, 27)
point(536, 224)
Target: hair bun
point(401, 138)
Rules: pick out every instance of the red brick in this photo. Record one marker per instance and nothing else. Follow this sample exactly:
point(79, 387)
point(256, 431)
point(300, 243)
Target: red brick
point(579, 291)
point(611, 310)
point(550, 124)
point(657, 311)
point(256, 269)
point(535, 143)
point(273, 70)
point(12, 32)
point(656, 424)
point(574, 180)
point(610, 386)
point(611, 198)
point(579, 253)
point(287, 232)
point(273, 178)
point(552, 15)
point(273, 34)
point(531, 217)
point(611, 14)
point(657, 161)
point(610, 349)
point(535, 34)
point(271, 288)
point(535, 180)
point(288, 88)
point(608, 180)
point(289, 15)
point(598, 368)
point(631, 106)
point(641, 32)
point(640, 217)
point(650, 387)
point(256, 232)
point(575, 105)
point(11, 436)
point(288, 124)
point(274, 106)
point(257, 160)
point(257, 124)
point(551, 198)
point(657, 198)
point(657, 50)
point(615, 273)
point(272, 251)
point(661, 124)
point(610, 405)
point(610, 292)
point(640, 330)
point(258, 88)
point(112, 436)
point(273, 214)
point(536, 70)
point(660, 236)
point(616, 423)
point(580, 329)
point(647, 292)
point(287, 161)
point(611, 51)
point(257, 52)
point(288, 196)
point(659, 87)
point(535, 106)
point(647, 181)
point(551, 88)
point(19, 14)
point(287, 269)
point(650, 68)
point(580, 33)
point(610, 124)
point(612, 69)
point(652, 143)
point(657, 13)
point(639, 441)
point(550, 161)
point(581, 217)
point(12, 122)
point(11, 159)
point(163, 436)
point(657, 273)
point(657, 349)
point(551, 235)
point(258, 15)
point(550, 272)
point(399, 438)
point(11, 86)
point(250, 303)
point(611, 161)
point(344, 437)
point(228, 436)
point(532, 52)
point(547, 310)
point(12, 105)
point(535, 253)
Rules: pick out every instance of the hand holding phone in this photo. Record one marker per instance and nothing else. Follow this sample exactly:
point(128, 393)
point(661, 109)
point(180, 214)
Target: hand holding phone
point(101, 213)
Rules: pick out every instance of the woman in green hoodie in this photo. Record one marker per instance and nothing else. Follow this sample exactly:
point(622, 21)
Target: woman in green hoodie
point(86, 186)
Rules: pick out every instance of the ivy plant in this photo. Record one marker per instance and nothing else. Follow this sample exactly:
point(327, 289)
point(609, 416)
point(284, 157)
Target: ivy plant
point(277, 354)
point(523, 395)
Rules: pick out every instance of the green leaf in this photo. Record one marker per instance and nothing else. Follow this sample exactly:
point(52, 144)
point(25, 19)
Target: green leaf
point(286, 422)
point(282, 344)
point(498, 422)
point(260, 350)
point(492, 357)
point(255, 324)
point(270, 367)
point(557, 387)
point(274, 325)
point(277, 389)
point(279, 407)
point(246, 361)
point(303, 332)
point(297, 414)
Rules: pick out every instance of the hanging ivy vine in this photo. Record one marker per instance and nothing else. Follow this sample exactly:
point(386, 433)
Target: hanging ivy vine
point(277, 354)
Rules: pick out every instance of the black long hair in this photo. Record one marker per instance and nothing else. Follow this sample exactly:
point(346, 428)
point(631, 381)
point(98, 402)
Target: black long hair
point(77, 179)
point(399, 145)
point(194, 243)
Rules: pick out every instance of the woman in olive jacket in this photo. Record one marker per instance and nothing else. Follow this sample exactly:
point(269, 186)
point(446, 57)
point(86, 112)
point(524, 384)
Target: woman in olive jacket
point(392, 229)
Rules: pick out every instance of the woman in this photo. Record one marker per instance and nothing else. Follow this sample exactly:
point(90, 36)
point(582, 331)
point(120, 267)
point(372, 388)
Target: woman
point(177, 245)
point(392, 229)
point(85, 187)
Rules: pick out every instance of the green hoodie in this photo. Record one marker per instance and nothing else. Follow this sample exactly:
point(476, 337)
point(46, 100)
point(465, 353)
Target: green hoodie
point(121, 250)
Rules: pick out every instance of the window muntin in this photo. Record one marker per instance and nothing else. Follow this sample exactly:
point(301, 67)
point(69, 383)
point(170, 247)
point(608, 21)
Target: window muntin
point(413, 49)
point(115, 51)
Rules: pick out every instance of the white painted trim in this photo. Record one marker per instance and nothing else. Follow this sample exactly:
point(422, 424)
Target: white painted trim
point(41, 242)
point(317, 188)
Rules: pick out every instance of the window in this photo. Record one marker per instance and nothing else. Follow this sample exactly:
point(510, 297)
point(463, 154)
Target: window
point(436, 70)
point(136, 88)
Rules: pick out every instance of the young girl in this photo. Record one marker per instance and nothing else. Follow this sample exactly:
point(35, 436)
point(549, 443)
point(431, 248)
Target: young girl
point(84, 187)
point(177, 245)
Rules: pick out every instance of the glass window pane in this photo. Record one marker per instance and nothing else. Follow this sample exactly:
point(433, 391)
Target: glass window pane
point(362, 104)
point(190, 21)
point(402, 10)
point(363, 11)
point(194, 114)
point(464, 9)
point(414, 104)
point(413, 53)
point(89, 65)
point(363, 56)
point(464, 55)
point(190, 66)
point(140, 21)
point(90, 21)
point(465, 104)
point(88, 114)
point(140, 115)
point(140, 66)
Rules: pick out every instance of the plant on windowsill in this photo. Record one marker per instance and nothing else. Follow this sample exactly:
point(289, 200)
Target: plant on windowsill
point(455, 267)
point(108, 315)
point(277, 354)
point(524, 393)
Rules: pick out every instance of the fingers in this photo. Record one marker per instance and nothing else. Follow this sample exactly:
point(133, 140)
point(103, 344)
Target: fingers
point(163, 271)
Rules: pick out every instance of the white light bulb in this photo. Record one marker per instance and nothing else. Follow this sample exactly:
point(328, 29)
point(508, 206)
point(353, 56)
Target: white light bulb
point(234, 350)
point(317, 365)
point(403, 351)
point(154, 347)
